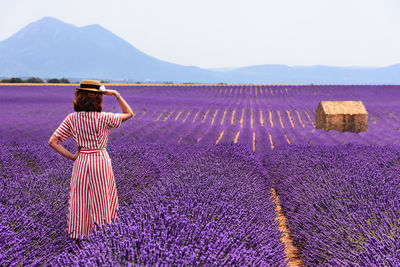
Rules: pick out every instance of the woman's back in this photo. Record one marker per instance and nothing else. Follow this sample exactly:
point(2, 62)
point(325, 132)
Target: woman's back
point(89, 129)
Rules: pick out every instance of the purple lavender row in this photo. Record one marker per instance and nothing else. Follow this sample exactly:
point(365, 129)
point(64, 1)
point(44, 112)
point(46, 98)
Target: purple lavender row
point(179, 204)
point(34, 113)
point(342, 202)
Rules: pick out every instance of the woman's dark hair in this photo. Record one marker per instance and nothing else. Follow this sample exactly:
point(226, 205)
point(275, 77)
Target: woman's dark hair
point(88, 101)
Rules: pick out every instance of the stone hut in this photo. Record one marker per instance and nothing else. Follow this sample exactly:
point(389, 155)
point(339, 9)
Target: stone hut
point(349, 116)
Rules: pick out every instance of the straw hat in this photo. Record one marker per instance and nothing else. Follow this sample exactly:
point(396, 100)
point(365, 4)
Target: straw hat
point(91, 85)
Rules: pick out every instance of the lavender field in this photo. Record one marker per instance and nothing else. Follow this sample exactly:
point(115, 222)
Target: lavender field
point(194, 168)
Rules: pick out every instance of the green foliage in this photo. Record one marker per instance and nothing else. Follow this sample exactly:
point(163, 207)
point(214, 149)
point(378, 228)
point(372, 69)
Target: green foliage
point(53, 80)
point(64, 80)
point(12, 80)
point(34, 80)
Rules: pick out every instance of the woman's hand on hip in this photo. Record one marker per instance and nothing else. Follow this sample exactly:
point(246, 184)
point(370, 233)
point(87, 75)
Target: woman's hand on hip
point(76, 154)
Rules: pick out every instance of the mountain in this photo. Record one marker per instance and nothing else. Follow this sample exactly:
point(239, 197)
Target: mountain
point(51, 48)
point(315, 74)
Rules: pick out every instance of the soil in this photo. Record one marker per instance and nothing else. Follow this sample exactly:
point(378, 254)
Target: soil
point(292, 253)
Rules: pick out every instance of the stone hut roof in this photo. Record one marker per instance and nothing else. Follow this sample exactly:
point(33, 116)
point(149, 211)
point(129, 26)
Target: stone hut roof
point(343, 107)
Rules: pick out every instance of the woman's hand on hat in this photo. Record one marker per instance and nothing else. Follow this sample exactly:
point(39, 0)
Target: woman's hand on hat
point(110, 92)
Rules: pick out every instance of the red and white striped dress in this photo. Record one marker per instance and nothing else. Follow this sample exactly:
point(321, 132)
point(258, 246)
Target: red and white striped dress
point(93, 194)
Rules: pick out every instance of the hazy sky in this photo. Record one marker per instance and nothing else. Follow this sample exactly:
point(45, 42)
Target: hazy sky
point(227, 33)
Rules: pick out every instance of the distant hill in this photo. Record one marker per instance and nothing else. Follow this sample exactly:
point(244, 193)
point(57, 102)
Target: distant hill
point(315, 74)
point(51, 48)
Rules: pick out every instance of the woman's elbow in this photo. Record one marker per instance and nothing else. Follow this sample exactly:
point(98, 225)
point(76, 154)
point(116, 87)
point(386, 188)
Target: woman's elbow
point(52, 141)
point(128, 115)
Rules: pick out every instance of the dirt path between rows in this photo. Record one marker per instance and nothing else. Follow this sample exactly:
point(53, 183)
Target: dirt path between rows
point(292, 253)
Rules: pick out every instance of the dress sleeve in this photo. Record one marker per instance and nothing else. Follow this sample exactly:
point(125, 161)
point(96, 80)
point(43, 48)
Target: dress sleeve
point(64, 130)
point(113, 120)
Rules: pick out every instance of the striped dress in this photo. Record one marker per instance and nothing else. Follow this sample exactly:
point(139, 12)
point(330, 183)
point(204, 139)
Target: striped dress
point(93, 194)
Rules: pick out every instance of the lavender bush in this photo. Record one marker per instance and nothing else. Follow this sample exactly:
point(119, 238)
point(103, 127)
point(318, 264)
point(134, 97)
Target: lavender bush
point(342, 202)
point(179, 204)
point(199, 114)
point(185, 200)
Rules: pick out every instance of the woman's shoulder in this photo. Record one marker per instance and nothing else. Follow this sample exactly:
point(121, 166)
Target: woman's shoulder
point(91, 113)
point(71, 115)
point(76, 114)
point(107, 114)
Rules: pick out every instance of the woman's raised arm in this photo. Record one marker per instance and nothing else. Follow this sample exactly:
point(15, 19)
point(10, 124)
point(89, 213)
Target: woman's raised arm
point(126, 110)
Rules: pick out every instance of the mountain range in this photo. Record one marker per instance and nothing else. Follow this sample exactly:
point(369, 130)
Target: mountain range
point(51, 48)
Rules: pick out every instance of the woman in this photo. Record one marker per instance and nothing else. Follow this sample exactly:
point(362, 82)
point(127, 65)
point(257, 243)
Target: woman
point(93, 194)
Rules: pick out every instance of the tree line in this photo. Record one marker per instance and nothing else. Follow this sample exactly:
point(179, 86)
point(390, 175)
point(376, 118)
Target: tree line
point(34, 80)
